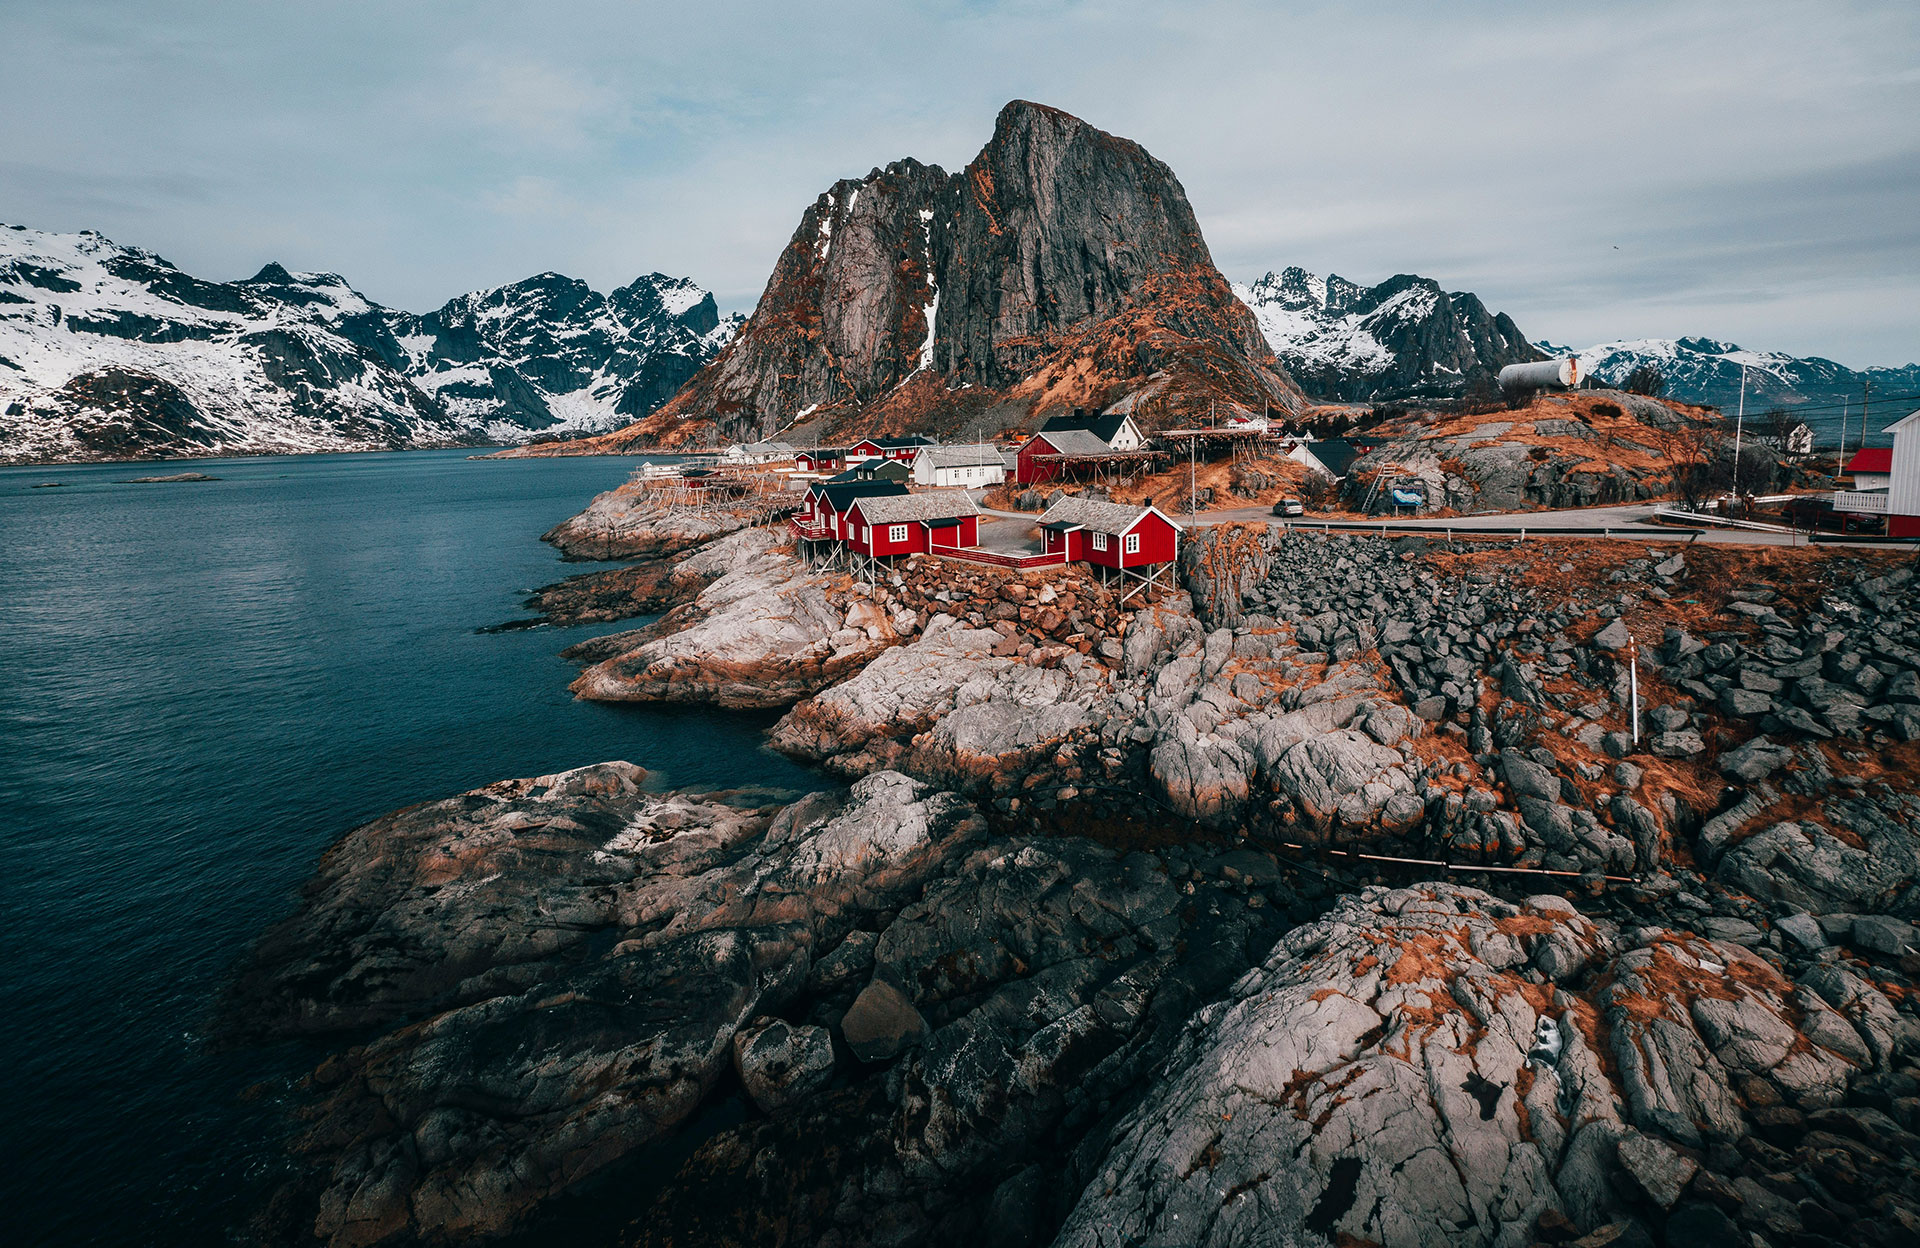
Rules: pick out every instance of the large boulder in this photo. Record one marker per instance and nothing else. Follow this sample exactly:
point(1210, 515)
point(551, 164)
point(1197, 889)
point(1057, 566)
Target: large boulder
point(780, 1063)
point(554, 971)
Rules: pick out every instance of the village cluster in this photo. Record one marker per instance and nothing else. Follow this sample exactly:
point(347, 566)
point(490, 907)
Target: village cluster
point(867, 504)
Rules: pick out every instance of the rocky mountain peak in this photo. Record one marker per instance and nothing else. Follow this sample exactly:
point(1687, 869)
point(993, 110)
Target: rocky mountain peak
point(1062, 267)
point(272, 273)
point(1405, 336)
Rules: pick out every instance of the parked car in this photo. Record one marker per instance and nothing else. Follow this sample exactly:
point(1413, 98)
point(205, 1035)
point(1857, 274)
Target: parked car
point(1289, 507)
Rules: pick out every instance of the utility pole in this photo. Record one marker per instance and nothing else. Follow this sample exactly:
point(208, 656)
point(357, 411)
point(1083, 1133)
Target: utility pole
point(1193, 479)
point(1633, 684)
point(1739, 425)
point(1866, 396)
point(1842, 461)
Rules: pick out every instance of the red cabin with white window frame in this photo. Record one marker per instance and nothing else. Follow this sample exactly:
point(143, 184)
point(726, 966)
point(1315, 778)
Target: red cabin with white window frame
point(912, 524)
point(901, 449)
point(823, 513)
point(1137, 542)
point(821, 459)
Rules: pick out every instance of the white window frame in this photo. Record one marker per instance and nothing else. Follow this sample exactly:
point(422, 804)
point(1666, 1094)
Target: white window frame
point(1131, 545)
point(897, 533)
point(1099, 541)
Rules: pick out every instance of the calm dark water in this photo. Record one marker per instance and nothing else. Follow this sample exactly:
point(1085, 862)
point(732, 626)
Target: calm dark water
point(201, 687)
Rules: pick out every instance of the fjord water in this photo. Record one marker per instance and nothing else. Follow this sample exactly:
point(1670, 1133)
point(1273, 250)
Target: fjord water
point(202, 685)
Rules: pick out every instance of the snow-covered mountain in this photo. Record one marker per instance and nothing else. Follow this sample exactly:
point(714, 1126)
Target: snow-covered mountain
point(552, 354)
point(1404, 337)
point(1705, 370)
point(110, 352)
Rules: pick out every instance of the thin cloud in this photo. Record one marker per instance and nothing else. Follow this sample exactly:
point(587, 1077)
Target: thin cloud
point(1752, 162)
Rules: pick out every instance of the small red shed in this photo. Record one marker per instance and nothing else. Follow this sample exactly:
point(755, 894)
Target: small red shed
point(821, 459)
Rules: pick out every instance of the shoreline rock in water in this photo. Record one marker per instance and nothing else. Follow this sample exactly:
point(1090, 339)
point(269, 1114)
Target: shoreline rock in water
point(1080, 956)
point(627, 522)
point(555, 971)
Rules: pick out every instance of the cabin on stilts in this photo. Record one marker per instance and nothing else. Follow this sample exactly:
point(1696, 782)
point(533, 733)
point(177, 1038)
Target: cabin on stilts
point(1135, 544)
point(821, 527)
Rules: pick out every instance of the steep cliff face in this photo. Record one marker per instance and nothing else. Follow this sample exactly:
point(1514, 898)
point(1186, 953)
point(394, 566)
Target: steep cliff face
point(1062, 267)
point(1405, 336)
point(844, 316)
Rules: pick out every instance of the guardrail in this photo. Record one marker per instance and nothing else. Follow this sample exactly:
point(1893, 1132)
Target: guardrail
point(1447, 532)
point(1696, 517)
point(1862, 539)
point(812, 532)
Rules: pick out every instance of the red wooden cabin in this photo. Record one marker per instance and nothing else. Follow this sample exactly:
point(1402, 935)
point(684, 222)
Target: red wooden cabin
point(912, 524)
point(821, 459)
point(901, 449)
point(1134, 541)
point(823, 514)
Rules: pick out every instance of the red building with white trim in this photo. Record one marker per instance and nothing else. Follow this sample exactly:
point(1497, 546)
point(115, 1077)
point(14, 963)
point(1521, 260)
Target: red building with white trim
point(912, 524)
point(822, 514)
point(1137, 542)
point(901, 449)
point(821, 459)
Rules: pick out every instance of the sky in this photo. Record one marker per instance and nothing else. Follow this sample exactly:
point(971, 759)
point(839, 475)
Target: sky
point(1747, 171)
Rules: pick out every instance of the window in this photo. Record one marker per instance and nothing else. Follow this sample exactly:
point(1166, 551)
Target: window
point(1133, 544)
point(1099, 541)
point(898, 533)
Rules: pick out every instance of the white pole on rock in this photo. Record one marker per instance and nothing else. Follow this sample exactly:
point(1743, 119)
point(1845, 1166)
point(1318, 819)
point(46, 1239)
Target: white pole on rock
point(1633, 684)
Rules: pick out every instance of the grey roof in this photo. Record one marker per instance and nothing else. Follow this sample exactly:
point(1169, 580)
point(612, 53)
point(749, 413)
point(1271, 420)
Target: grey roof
point(1075, 442)
point(1114, 518)
point(1101, 425)
point(961, 456)
point(932, 505)
point(1336, 453)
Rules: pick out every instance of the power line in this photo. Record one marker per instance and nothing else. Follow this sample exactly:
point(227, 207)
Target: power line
point(1796, 409)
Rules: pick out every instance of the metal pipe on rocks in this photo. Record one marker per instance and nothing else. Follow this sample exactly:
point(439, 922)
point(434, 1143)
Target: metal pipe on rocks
point(1562, 374)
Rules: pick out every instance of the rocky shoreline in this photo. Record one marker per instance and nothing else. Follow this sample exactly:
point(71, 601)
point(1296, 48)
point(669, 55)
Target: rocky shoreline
point(1081, 953)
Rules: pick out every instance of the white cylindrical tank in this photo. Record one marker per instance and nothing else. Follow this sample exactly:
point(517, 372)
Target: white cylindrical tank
point(1543, 375)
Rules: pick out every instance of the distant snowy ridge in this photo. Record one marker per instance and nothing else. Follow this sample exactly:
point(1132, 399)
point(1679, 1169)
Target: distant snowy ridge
point(110, 352)
point(1707, 371)
point(1404, 337)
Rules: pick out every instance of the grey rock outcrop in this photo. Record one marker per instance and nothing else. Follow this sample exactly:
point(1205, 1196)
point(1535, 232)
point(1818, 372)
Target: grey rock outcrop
point(766, 633)
point(1368, 1081)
